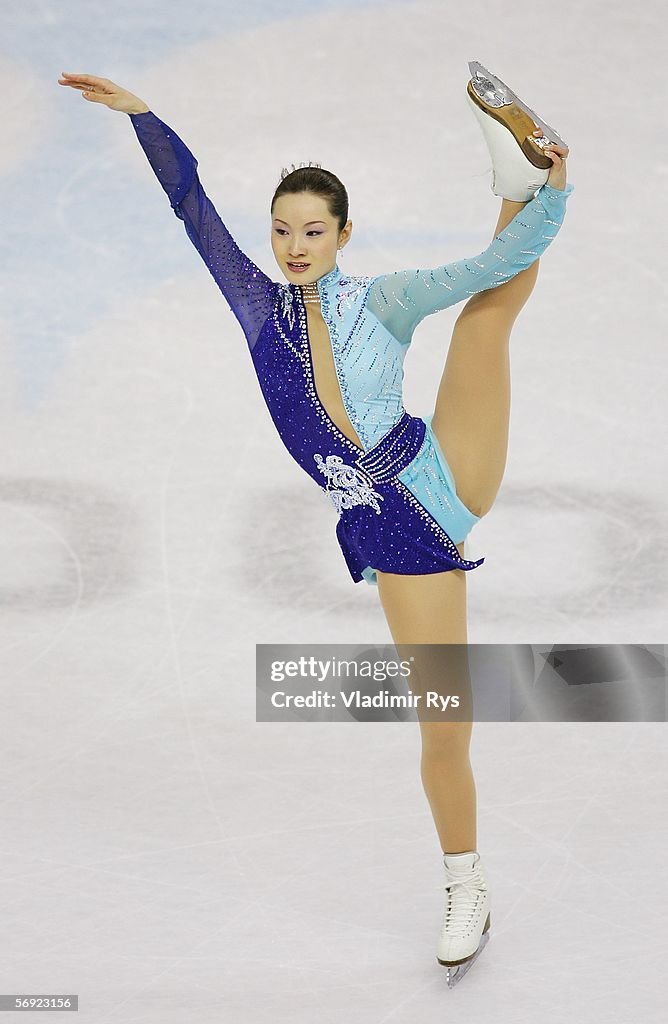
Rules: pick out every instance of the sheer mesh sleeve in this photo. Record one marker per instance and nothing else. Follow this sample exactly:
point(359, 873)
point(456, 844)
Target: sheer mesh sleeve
point(401, 300)
point(249, 292)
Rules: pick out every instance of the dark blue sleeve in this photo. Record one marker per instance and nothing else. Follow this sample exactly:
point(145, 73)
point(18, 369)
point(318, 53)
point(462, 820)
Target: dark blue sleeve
point(249, 292)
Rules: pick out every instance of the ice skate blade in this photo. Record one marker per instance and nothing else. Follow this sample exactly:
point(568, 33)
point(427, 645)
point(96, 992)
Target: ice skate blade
point(456, 971)
point(499, 101)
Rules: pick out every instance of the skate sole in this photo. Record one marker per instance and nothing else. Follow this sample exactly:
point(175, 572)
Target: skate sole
point(483, 76)
point(519, 124)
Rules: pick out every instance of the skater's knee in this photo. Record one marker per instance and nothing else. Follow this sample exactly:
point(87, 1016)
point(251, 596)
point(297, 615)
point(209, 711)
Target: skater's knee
point(445, 739)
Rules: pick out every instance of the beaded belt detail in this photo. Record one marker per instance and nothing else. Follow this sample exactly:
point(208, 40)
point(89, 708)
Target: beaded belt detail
point(395, 450)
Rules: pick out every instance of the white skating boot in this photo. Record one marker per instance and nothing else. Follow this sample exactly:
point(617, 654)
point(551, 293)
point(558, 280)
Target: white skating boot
point(466, 920)
point(519, 165)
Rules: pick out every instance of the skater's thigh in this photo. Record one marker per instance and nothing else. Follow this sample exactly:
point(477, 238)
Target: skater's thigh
point(425, 609)
point(426, 615)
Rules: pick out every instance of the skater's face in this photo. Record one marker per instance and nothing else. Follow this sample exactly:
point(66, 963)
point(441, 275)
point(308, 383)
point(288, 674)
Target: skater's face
point(304, 231)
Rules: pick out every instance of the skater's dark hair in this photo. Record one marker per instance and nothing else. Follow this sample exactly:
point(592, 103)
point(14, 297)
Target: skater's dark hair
point(314, 178)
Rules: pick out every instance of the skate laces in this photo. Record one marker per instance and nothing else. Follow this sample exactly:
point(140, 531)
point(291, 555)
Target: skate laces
point(464, 891)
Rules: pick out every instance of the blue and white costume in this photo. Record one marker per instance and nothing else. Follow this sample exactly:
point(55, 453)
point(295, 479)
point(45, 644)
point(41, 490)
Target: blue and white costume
point(397, 506)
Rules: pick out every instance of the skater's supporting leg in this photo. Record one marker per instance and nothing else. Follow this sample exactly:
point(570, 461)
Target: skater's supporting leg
point(472, 413)
point(431, 609)
point(447, 778)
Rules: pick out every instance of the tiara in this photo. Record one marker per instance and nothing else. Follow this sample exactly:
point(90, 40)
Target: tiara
point(285, 171)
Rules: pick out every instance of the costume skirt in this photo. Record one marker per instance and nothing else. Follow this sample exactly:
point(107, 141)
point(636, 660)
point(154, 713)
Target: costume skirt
point(398, 506)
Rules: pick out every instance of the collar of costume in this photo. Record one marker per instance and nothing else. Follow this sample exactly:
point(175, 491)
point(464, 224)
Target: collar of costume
point(327, 280)
point(326, 287)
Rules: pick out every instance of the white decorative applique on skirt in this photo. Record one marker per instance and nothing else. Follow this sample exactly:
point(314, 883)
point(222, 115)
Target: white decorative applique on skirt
point(347, 485)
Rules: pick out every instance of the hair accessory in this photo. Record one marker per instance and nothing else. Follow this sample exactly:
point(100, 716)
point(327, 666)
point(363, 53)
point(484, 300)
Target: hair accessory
point(285, 171)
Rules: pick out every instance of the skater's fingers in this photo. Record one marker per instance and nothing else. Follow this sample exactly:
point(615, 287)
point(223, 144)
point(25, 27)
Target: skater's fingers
point(552, 146)
point(88, 79)
point(101, 85)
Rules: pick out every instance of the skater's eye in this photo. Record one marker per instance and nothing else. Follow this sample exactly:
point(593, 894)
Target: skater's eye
point(280, 230)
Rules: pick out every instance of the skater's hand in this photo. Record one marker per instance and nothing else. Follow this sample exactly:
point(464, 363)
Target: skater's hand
point(103, 90)
point(558, 154)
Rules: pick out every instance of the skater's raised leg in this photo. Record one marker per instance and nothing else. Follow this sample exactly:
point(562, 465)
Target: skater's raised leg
point(472, 414)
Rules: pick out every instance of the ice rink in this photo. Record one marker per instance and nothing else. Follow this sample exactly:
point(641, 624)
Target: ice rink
point(164, 855)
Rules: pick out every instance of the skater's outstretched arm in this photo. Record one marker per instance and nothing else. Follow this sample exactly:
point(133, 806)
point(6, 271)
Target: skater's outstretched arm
point(401, 300)
point(248, 290)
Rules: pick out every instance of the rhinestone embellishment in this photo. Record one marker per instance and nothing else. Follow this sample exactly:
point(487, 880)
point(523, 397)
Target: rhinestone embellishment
point(288, 310)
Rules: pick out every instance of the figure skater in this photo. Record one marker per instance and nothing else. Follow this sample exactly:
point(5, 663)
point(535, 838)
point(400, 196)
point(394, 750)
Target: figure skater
point(328, 350)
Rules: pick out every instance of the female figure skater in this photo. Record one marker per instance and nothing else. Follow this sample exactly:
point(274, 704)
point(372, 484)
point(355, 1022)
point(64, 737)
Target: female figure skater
point(328, 349)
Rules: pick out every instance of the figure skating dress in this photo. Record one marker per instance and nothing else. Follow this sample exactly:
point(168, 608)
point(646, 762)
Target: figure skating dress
point(396, 501)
